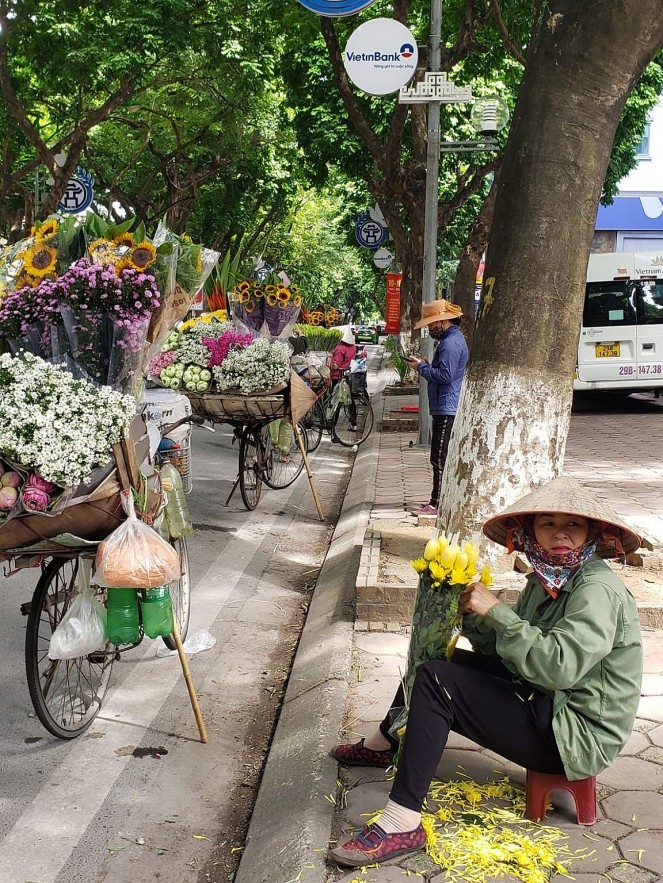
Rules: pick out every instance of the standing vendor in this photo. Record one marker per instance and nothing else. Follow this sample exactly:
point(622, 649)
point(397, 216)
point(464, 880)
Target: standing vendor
point(444, 376)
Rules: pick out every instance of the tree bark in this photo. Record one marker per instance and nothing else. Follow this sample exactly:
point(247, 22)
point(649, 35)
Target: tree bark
point(468, 263)
point(513, 418)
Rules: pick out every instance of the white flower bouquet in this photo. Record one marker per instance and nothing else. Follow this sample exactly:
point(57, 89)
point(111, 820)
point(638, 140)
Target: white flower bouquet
point(58, 427)
point(259, 367)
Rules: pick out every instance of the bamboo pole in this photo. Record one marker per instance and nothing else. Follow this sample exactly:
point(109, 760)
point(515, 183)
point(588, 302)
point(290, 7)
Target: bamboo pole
point(189, 683)
point(302, 448)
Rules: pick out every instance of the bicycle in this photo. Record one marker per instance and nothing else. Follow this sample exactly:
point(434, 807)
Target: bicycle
point(269, 454)
point(349, 423)
point(67, 693)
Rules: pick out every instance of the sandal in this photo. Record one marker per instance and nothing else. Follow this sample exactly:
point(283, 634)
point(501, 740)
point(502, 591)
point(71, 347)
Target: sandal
point(356, 754)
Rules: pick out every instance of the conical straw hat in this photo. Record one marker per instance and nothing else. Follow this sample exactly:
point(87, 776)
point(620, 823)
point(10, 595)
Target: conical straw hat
point(565, 494)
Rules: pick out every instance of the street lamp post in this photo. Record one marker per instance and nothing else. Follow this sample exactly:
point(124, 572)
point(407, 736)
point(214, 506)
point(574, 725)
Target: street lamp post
point(430, 213)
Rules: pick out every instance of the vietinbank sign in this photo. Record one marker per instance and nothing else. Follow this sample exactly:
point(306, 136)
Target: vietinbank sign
point(333, 8)
point(381, 56)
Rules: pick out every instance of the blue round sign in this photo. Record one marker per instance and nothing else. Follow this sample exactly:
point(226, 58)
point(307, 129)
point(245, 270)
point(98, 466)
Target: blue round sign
point(78, 194)
point(333, 8)
point(370, 233)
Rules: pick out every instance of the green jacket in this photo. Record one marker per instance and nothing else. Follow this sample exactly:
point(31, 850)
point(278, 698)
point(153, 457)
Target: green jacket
point(584, 649)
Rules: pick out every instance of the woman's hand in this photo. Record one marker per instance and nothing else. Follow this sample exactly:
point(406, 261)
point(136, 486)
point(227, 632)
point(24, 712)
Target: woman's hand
point(476, 598)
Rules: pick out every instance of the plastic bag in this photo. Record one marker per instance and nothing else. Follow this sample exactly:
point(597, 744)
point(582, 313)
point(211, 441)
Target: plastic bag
point(197, 642)
point(82, 629)
point(341, 394)
point(135, 556)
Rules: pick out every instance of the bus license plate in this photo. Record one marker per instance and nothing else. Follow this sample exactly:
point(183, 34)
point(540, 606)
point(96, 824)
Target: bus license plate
point(607, 350)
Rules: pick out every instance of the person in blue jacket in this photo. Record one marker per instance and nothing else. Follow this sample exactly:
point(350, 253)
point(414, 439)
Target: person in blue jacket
point(445, 377)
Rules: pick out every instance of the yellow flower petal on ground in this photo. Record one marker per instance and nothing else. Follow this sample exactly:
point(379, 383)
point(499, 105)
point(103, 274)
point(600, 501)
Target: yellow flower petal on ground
point(419, 564)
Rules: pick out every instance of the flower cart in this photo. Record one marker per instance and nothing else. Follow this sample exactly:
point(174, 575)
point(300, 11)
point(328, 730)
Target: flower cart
point(240, 373)
point(84, 304)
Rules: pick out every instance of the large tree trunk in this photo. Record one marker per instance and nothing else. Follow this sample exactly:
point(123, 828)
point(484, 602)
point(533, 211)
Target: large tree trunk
point(513, 419)
point(468, 263)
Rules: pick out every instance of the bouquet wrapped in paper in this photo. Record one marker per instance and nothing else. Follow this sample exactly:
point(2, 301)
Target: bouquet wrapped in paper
point(444, 570)
point(191, 264)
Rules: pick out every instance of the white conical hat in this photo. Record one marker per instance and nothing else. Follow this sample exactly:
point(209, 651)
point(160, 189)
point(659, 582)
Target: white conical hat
point(565, 494)
point(348, 336)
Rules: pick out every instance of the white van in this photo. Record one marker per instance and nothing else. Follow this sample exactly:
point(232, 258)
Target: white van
point(621, 338)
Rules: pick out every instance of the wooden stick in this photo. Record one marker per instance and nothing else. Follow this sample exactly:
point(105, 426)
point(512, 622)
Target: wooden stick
point(122, 474)
point(189, 682)
point(302, 448)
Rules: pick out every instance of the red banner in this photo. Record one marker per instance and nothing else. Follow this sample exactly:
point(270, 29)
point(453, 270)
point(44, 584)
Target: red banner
point(393, 286)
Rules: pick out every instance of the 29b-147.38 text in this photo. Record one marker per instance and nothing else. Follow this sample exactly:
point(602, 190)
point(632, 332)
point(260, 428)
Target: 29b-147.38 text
point(630, 370)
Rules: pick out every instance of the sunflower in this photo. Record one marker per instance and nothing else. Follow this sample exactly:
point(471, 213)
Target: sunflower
point(269, 289)
point(271, 300)
point(250, 306)
point(283, 295)
point(124, 240)
point(40, 259)
point(48, 229)
point(121, 265)
point(243, 286)
point(101, 251)
point(294, 289)
point(243, 297)
point(316, 317)
point(297, 300)
point(142, 255)
point(258, 293)
point(25, 280)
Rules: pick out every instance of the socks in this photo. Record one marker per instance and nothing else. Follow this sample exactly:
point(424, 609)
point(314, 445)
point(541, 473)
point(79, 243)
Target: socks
point(377, 742)
point(397, 819)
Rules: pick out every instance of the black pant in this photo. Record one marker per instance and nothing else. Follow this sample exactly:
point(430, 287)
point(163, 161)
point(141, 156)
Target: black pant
point(442, 426)
point(476, 696)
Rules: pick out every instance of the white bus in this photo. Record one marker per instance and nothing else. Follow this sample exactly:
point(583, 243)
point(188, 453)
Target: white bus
point(621, 339)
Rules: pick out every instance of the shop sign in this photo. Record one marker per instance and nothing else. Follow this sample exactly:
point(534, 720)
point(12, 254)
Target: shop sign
point(78, 193)
point(335, 8)
point(381, 56)
point(393, 305)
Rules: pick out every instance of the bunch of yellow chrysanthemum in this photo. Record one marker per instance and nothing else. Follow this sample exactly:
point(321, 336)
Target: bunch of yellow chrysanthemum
point(449, 563)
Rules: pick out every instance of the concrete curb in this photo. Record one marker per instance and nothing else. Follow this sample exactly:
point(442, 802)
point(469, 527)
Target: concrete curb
point(291, 822)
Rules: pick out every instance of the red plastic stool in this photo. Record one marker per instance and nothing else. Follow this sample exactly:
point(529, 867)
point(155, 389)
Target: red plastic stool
point(539, 786)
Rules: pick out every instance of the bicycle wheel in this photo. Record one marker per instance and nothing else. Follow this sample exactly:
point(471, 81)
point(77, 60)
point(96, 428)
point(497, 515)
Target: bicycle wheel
point(343, 422)
point(180, 594)
point(250, 482)
point(283, 457)
point(314, 423)
point(66, 693)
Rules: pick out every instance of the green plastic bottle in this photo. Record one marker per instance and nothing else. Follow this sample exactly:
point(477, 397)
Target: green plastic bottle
point(122, 623)
point(157, 612)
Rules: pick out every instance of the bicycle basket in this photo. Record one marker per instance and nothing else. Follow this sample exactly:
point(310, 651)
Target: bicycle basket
point(357, 382)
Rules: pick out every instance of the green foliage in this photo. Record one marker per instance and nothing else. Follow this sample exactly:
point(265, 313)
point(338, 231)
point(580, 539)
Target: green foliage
point(319, 339)
point(397, 356)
